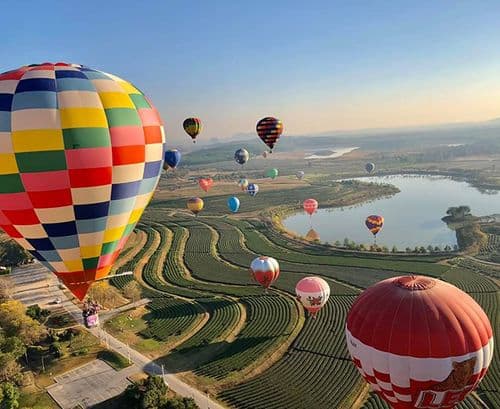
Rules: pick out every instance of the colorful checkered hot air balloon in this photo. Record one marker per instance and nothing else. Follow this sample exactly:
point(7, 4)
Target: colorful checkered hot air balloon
point(419, 342)
point(269, 130)
point(374, 223)
point(192, 126)
point(81, 152)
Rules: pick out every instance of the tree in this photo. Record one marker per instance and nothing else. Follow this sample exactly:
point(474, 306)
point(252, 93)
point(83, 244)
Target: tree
point(104, 294)
point(181, 403)
point(394, 249)
point(9, 396)
point(10, 370)
point(430, 249)
point(6, 288)
point(149, 393)
point(447, 248)
point(12, 254)
point(132, 291)
point(34, 311)
point(15, 322)
point(12, 345)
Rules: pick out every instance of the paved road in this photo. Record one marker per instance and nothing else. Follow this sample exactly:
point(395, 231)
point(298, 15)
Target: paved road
point(90, 384)
point(35, 284)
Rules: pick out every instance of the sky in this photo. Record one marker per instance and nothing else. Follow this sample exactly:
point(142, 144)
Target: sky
point(317, 65)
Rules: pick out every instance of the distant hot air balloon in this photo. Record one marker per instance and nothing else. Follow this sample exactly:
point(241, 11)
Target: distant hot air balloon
point(241, 156)
point(192, 126)
point(312, 235)
point(206, 183)
point(233, 203)
point(252, 189)
point(370, 167)
point(265, 270)
point(313, 293)
point(419, 342)
point(269, 130)
point(310, 206)
point(300, 174)
point(195, 204)
point(272, 173)
point(374, 224)
point(243, 184)
point(81, 155)
point(172, 159)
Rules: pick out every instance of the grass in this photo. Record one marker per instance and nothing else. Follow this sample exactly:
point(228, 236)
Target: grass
point(34, 398)
point(114, 359)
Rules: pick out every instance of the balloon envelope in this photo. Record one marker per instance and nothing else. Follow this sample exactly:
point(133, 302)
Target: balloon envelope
point(265, 270)
point(374, 223)
point(300, 174)
point(243, 183)
point(370, 167)
point(269, 130)
point(272, 173)
point(206, 183)
point(419, 342)
point(313, 293)
point(252, 189)
point(82, 152)
point(192, 126)
point(195, 204)
point(241, 156)
point(172, 159)
point(233, 203)
point(310, 206)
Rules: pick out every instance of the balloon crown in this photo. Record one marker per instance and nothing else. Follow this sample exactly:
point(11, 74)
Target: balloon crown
point(414, 283)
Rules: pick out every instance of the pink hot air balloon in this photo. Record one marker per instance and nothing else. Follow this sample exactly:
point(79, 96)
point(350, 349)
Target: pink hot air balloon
point(206, 183)
point(265, 270)
point(313, 293)
point(419, 342)
point(310, 206)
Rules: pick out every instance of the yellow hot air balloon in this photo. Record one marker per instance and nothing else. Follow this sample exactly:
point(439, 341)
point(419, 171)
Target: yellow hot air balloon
point(195, 204)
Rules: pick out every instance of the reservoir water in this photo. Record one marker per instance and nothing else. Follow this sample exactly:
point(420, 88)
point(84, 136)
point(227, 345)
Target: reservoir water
point(412, 216)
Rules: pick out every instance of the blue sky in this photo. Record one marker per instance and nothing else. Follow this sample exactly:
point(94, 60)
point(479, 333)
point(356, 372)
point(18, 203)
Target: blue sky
point(318, 65)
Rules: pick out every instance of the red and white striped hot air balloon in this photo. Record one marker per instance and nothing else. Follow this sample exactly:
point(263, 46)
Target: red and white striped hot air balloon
point(310, 206)
point(265, 270)
point(313, 293)
point(419, 342)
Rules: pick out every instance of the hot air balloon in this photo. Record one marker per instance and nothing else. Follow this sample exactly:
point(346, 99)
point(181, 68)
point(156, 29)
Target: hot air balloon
point(300, 174)
point(252, 189)
point(233, 203)
point(172, 159)
point(241, 156)
point(310, 206)
point(374, 224)
point(243, 184)
point(206, 183)
point(419, 342)
point(264, 154)
point(195, 204)
point(313, 293)
point(269, 130)
point(192, 126)
point(265, 270)
point(370, 167)
point(81, 154)
point(272, 173)
point(312, 235)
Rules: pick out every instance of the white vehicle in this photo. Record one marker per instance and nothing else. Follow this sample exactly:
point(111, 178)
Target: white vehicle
point(57, 301)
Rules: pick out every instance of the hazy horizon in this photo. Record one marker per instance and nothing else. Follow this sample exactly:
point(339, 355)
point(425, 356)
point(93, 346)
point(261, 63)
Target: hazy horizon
point(333, 66)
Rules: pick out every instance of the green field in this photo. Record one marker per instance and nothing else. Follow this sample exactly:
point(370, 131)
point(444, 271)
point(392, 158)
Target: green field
point(201, 269)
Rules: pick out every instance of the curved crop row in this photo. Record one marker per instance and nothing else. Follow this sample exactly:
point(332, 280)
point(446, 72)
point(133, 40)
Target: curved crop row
point(469, 281)
point(270, 320)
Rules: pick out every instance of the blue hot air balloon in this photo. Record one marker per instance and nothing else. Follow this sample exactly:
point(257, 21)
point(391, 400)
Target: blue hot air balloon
point(233, 203)
point(172, 159)
point(252, 189)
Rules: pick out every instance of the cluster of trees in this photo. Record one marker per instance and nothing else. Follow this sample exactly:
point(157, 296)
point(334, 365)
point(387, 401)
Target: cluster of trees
point(12, 254)
point(351, 245)
point(458, 212)
point(110, 297)
point(151, 393)
point(18, 332)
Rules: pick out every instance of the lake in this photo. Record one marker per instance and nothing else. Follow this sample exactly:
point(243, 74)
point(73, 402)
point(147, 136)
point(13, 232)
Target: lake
point(412, 217)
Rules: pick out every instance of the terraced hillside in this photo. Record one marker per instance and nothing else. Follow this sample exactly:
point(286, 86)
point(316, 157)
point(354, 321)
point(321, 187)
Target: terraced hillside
point(251, 339)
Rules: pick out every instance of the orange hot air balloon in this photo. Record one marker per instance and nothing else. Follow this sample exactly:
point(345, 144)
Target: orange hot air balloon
point(81, 155)
point(310, 206)
point(419, 342)
point(206, 183)
point(195, 204)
